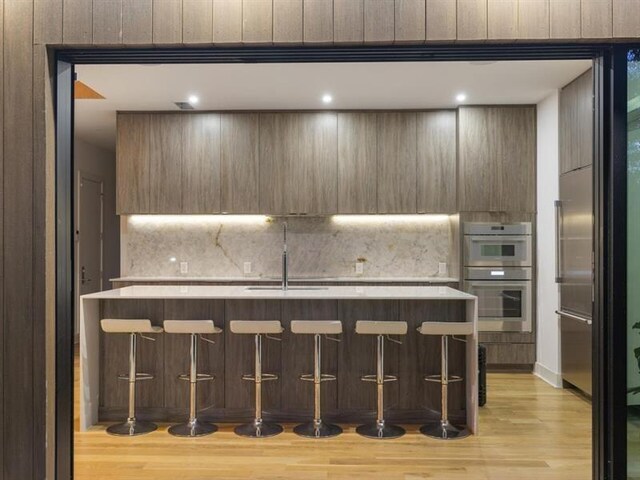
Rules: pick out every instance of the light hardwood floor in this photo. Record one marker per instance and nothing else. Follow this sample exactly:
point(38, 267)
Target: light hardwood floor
point(529, 430)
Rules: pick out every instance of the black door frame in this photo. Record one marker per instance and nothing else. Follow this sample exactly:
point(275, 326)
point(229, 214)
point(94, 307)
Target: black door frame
point(609, 434)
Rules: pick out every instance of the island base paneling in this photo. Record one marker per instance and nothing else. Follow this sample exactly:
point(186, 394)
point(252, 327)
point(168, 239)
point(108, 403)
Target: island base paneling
point(230, 399)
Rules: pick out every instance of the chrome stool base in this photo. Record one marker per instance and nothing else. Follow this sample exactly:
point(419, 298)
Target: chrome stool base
point(381, 431)
point(258, 429)
point(192, 429)
point(131, 428)
point(317, 430)
point(444, 431)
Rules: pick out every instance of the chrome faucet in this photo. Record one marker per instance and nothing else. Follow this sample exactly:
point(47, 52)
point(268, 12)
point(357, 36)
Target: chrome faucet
point(285, 259)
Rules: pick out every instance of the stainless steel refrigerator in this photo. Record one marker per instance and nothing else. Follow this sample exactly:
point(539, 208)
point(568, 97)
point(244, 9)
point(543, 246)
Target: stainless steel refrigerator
point(574, 259)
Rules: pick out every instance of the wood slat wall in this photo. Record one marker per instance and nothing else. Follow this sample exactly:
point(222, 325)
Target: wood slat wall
point(27, 25)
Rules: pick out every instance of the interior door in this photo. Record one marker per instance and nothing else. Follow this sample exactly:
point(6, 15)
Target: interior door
point(89, 266)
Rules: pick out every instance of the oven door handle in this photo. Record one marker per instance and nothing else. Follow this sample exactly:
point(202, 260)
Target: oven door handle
point(500, 238)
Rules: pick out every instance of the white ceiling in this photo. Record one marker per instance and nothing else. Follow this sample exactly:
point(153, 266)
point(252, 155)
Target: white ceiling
point(301, 86)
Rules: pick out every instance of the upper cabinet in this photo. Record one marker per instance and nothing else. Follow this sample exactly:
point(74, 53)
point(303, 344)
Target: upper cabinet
point(168, 163)
point(576, 123)
point(132, 163)
point(397, 144)
point(321, 163)
point(436, 161)
point(239, 137)
point(357, 163)
point(497, 155)
point(298, 163)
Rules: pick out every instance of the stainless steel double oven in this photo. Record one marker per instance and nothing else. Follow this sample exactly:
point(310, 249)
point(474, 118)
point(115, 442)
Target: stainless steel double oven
point(498, 263)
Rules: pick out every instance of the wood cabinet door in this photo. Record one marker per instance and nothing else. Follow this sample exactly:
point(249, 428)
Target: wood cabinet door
point(315, 174)
point(239, 142)
point(165, 173)
point(436, 157)
point(576, 123)
point(479, 173)
point(132, 163)
point(279, 149)
point(201, 163)
point(396, 158)
point(517, 153)
point(357, 170)
point(497, 154)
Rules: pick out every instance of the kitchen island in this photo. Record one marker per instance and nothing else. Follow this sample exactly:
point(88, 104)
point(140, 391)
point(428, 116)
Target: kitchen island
point(228, 398)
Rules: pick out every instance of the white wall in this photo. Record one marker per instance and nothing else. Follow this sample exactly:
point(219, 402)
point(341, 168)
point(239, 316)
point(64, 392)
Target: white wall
point(548, 328)
point(91, 159)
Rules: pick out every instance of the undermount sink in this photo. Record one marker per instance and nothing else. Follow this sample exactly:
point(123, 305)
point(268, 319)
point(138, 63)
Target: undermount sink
point(289, 288)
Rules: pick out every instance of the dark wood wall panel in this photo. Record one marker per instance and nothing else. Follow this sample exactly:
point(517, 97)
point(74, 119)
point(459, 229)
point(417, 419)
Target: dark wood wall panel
point(107, 22)
point(197, 21)
point(167, 21)
point(47, 22)
point(77, 22)
point(137, 21)
point(20, 448)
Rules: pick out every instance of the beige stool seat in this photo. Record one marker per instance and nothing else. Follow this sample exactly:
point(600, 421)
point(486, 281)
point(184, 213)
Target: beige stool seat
point(370, 327)
point(316, 327)
point(256, 327)
point(128, 325)
point(443, 429)
point(134, 327)
point(194, 328)
point(198, 327)
point(446, 328)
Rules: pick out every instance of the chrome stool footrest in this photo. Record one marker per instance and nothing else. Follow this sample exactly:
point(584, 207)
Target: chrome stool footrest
point(325, 377)
point(139, 376)
point(437, 378)
point(200, 377)
point(266, 377)
point(374, 378)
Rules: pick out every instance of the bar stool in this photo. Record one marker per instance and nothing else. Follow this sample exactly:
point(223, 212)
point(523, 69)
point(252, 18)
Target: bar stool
point(317, 428)
point(258, 428)
point(195, 328)
point(133, 327)
point(380, 429)
point(443, 429)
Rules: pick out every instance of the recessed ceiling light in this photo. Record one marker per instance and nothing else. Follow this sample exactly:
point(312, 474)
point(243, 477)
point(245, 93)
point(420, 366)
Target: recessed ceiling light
point(461, 97)
point(326, 98)
point(193, 99)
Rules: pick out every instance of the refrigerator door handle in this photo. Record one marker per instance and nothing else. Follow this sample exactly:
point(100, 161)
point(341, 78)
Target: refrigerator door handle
point(573, 316)
point(558, 209)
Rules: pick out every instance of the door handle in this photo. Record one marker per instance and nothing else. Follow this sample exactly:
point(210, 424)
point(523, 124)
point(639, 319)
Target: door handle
point(558, 210)
point(573, 316)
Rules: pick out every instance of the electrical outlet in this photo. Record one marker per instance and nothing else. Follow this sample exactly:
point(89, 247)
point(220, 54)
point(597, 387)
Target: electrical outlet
point(184, 267)
point(442, 268)
point(247, 267)
point(359, 268)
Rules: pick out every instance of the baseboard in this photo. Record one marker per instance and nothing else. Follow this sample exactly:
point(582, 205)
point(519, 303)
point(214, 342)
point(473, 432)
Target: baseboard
point(552, 378)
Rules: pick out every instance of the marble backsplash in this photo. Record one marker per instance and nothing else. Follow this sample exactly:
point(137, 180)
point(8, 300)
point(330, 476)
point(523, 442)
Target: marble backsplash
point(219, 246)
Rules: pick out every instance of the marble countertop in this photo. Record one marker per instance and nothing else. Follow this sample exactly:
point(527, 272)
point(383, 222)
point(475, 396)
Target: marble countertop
point(300, 293)
point(291, 279)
